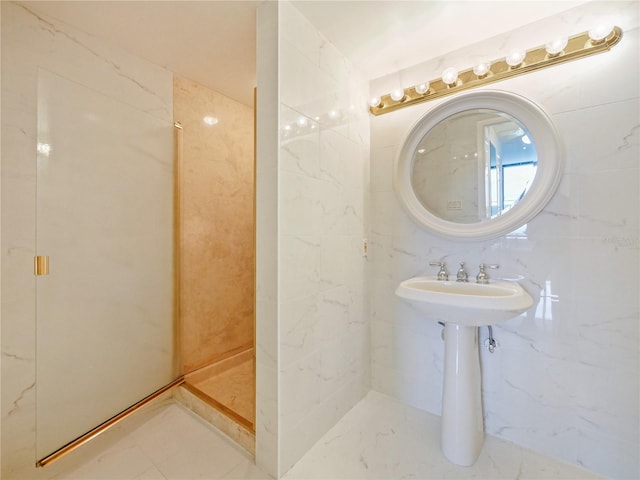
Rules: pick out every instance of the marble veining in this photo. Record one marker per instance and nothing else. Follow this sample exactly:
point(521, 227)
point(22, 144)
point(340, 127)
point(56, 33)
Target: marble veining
point(31, 42)
point(323, 205)
point(378, 438)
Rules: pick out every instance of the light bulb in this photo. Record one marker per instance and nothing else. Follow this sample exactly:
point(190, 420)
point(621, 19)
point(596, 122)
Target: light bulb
point(556, 46)
point(422, 88)
point(210, 120)
point(525, 139)
point(333, 114)
point(481, 69)
point(450, 76)
point(397, 95)
point(515, 58)
point(600, 32)
point(374, 102)
point(44, 149)
point(302, 122)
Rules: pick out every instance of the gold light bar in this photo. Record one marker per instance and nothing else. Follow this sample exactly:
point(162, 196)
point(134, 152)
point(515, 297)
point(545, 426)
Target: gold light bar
point(578, 46)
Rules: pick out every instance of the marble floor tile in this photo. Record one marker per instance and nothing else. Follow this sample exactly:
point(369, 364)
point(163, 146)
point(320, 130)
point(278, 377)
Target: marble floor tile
point(380, 438)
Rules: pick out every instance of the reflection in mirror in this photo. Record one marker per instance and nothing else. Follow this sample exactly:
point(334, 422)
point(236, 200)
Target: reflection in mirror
point(473, 166)
point(478, 166)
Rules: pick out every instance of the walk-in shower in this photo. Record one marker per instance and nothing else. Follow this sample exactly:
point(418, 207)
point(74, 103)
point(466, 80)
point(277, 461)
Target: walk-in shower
point(147, 231)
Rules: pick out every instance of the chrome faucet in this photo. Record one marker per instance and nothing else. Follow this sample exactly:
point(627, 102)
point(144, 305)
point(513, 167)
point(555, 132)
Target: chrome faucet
point(482, 276)
point(443, 275)
point(462, 276)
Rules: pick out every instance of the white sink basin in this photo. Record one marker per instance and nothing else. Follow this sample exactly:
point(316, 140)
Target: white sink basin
point(463, 307)
point(468, 304)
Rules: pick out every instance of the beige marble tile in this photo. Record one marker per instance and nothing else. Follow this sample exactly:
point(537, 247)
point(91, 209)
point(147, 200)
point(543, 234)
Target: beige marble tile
point(235, 388)
point(217, 224)
point(236, 432)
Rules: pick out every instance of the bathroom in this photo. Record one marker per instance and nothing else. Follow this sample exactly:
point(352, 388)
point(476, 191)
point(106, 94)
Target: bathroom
point(328, 328)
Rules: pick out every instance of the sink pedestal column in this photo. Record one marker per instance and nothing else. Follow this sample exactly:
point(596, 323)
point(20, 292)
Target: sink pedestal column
point(462, 422)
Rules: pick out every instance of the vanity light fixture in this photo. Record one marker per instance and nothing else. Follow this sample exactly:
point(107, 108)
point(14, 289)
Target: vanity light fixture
point(450, 77)
point(422, 88)
point(481, 70)
point(555, 47)
point(398, 95)
point(515, 58)
point(373, 102)
point(600, 32)
point(597, 40)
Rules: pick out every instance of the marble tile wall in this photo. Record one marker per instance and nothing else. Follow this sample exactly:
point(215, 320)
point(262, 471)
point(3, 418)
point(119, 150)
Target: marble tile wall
point(217, 225)
point(323, 202)
point(30, 41)
point(316, 291)
point(565, 378)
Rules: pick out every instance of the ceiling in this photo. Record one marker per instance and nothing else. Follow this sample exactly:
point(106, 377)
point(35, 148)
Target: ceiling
point(213, 42)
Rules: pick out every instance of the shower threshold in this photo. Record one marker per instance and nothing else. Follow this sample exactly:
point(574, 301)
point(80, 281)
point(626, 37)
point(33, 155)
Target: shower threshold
point(223, 394)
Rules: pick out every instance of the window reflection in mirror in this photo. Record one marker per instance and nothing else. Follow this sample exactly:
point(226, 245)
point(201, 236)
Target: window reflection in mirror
point(474, 166)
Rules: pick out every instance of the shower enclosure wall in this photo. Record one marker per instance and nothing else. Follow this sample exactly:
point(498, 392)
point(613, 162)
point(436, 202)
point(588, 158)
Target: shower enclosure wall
point(105, 322)
point(100, 115)
point(217, 250)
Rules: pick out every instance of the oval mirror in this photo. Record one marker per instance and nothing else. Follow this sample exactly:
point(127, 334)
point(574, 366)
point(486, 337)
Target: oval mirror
point(479, 166)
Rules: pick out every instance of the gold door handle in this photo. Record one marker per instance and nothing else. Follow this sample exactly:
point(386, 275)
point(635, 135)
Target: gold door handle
point(41, 265)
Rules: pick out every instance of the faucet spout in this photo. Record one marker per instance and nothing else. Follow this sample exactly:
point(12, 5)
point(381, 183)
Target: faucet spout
point(462, 275)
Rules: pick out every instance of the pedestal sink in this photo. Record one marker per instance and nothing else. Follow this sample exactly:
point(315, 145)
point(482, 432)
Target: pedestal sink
point(463, 307)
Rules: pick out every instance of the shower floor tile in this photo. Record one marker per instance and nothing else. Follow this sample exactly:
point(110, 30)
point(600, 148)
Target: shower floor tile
point(235, 388)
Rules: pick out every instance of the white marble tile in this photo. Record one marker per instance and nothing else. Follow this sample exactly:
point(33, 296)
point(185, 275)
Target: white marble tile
point(74, 54)
point(617, 457)
point(378, 438)
point(317, 95)
point(624, 59)
point(381, 438)
point(613, 215)
point(593, 146)
point(298, 31)
point(382, 161)
point(117, 462)
point(151, 474)
point(31, 42)
point(324, 213)
point(303, 204)
point(301, 265)
point(560, 217)
point(299, 155)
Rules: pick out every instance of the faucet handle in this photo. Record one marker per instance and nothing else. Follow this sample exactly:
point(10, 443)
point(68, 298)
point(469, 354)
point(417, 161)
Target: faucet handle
point(442, 273)
point(482, 276)
point(462, 276)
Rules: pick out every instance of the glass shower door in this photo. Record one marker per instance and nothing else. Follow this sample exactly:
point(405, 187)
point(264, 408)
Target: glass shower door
point(105, 215)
